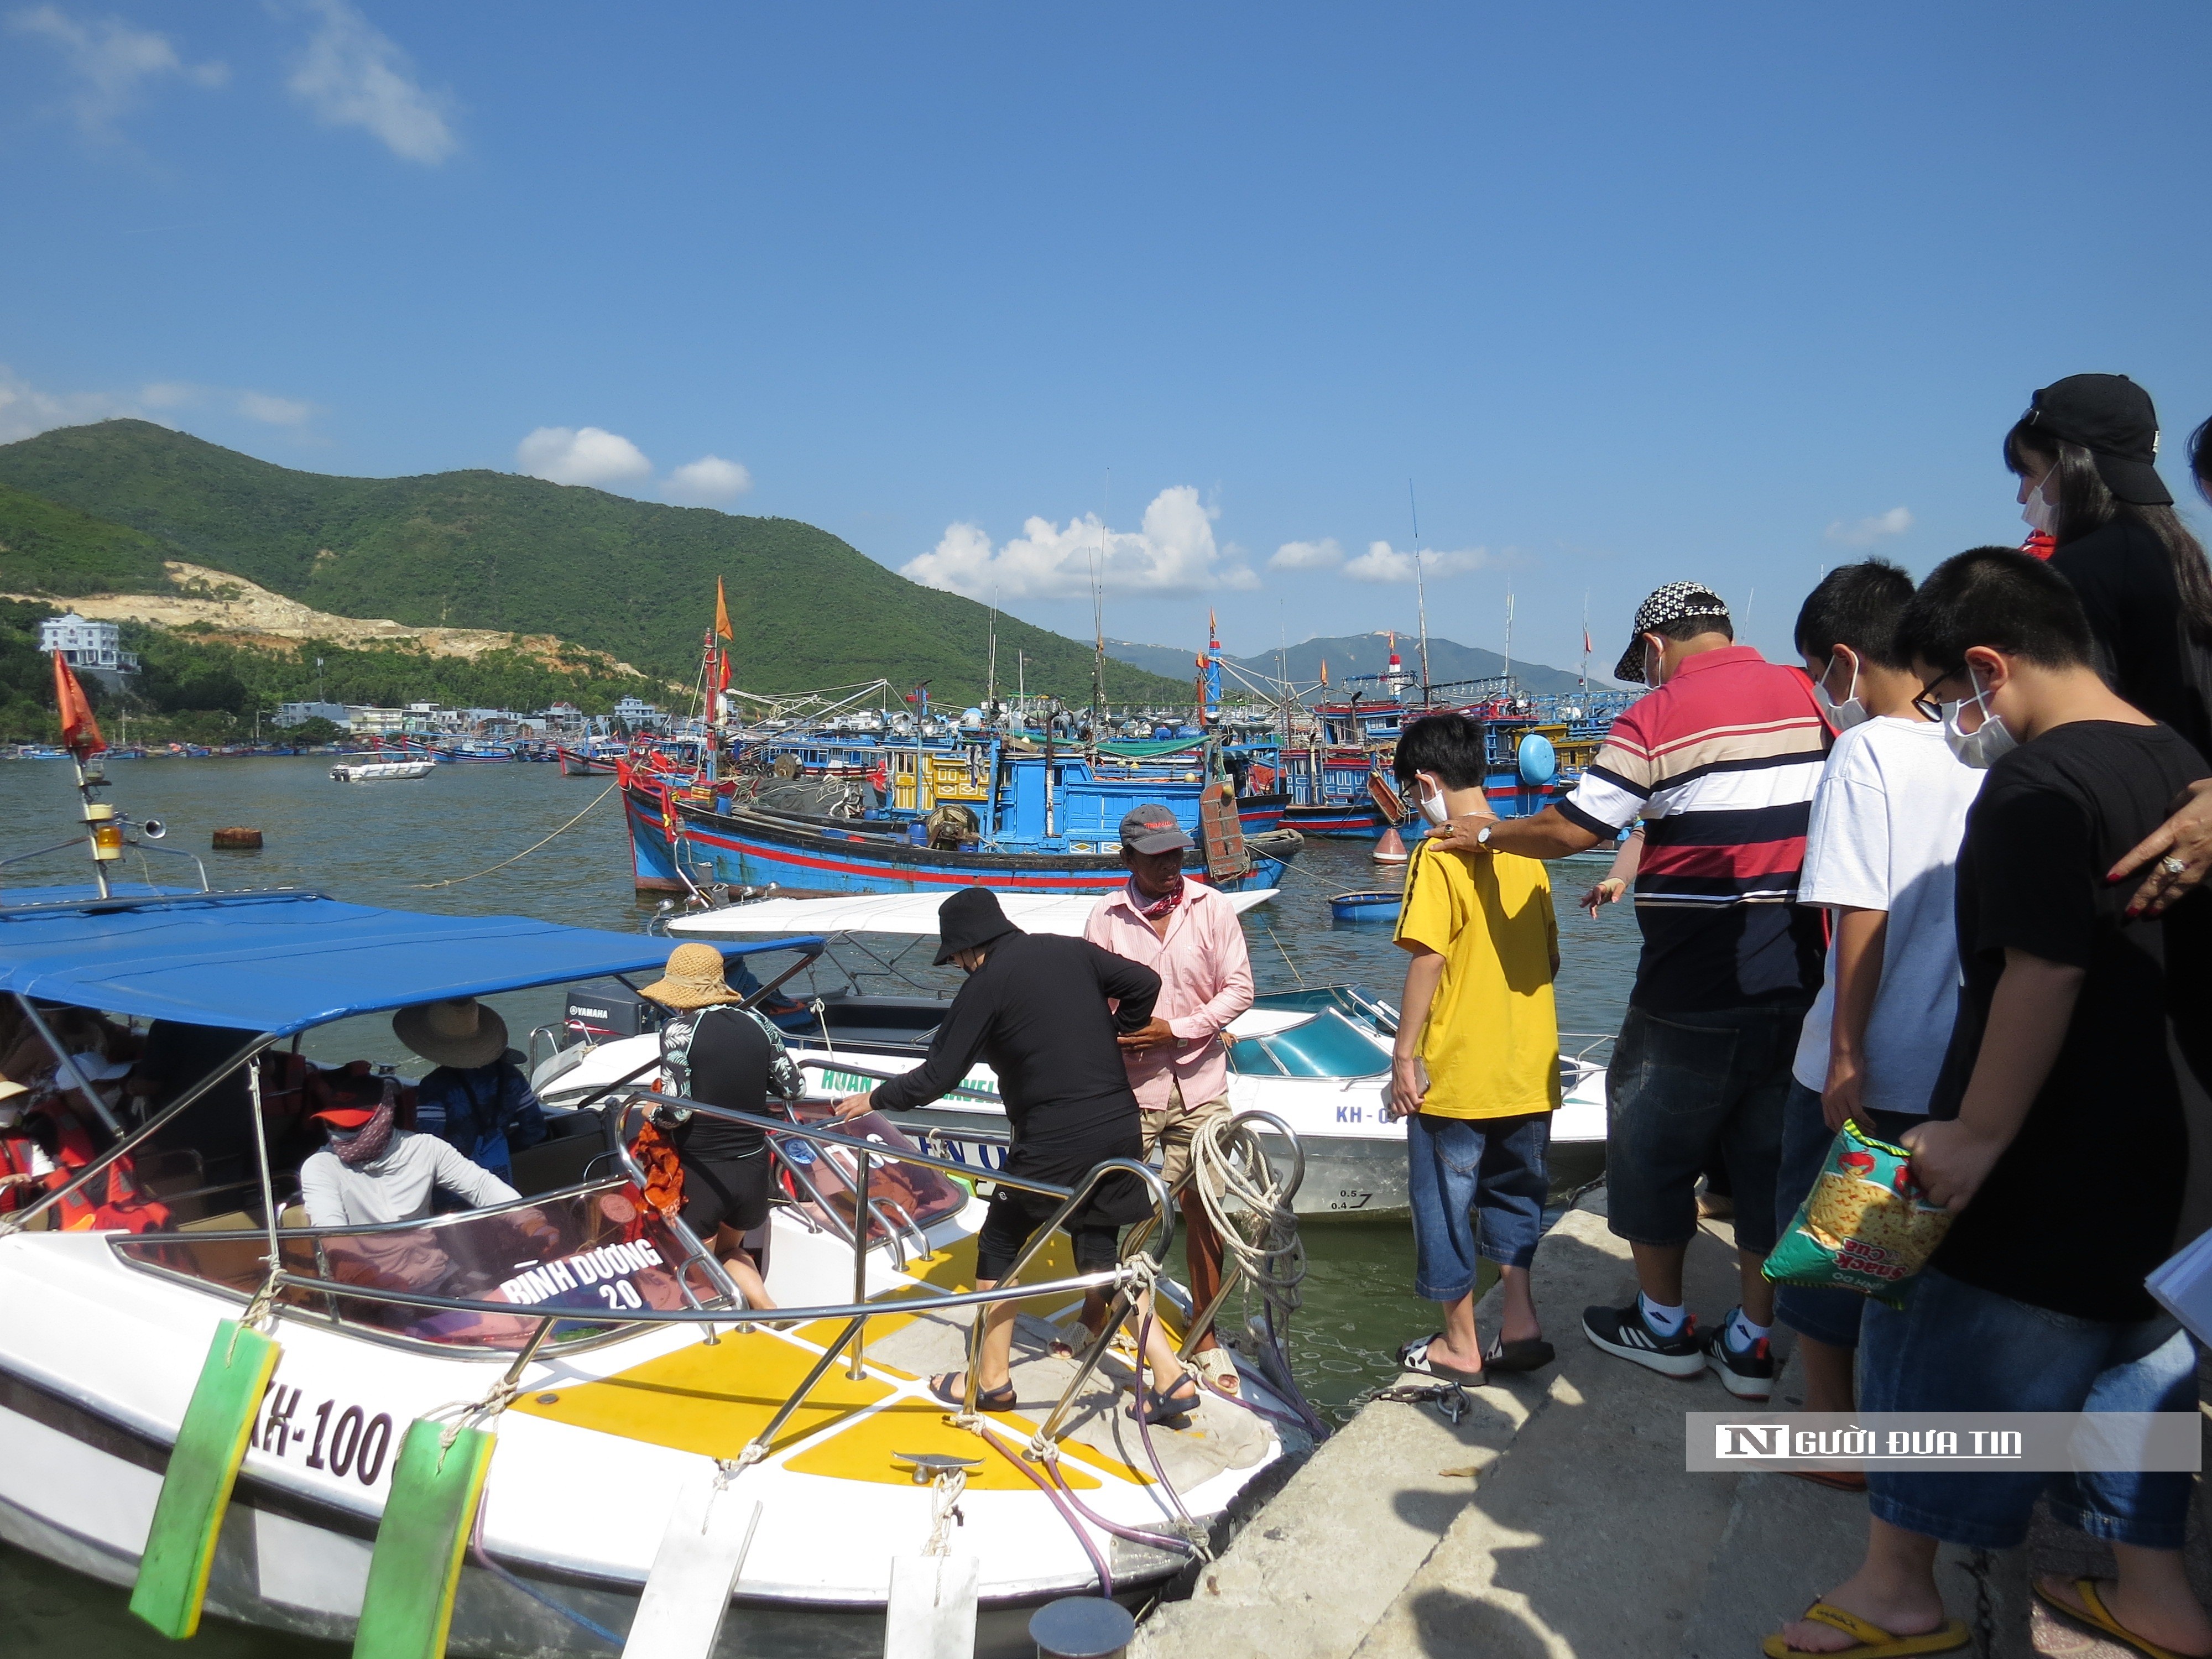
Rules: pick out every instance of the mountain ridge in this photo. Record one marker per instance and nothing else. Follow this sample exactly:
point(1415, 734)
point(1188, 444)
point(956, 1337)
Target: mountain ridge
point(1348, 654)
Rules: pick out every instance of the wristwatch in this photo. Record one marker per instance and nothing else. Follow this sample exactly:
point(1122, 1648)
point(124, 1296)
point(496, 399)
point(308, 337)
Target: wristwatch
point(1482, 835)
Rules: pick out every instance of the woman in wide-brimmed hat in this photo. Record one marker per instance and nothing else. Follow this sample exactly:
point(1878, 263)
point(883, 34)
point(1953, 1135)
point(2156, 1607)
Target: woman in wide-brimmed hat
point(477, 1101)
point(717, 1052)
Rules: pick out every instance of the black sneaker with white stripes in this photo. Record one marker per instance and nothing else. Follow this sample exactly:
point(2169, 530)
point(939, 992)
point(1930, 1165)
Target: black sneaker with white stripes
point(1623, 1332)
point(1748, 1373)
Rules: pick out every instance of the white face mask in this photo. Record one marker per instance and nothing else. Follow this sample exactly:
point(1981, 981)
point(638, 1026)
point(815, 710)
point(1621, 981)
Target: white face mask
point(2041, 512)
point(1432, 803)
point(1654, 667)
point(1987, 744)
point(1847, 713)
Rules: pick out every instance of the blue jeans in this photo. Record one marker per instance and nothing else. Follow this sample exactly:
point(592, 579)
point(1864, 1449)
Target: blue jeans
point(1456, 1166)
point(1829, 1317)
point(1680, 1088)
point(1954, 1347)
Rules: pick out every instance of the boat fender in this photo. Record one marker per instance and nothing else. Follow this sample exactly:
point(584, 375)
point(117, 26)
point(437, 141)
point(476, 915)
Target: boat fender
point(173, 1571)
point(1538, 762)
point(695, 1573)
point(415, 1566)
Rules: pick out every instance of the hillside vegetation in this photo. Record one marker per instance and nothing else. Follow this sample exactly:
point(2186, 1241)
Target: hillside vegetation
point(491, 549)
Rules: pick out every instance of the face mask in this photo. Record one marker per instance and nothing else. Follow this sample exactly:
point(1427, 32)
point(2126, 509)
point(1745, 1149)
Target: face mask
point(10, 1114)
point(1433, 804)
point(2041, 512)
point(1847, 713)
point(1986, 745)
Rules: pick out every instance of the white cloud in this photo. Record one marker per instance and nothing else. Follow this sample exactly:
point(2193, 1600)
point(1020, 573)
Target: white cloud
point(278, 411)
point(585, 455)
point(1174, 552)
point(352, 74)
point(1383, 562)
point(708, 480)
point(1324, 555)
point(1867, 532)
point(112, 62)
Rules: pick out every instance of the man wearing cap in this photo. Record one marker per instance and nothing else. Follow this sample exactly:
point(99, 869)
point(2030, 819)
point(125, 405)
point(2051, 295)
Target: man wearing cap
point(1187, 933)
point(372, 1170)
point(478, 1099)
point(1720, 763)
point(1044, 1012)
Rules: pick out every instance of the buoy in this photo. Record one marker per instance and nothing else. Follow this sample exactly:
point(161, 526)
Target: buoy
point(1391, 849)
point(237, 837)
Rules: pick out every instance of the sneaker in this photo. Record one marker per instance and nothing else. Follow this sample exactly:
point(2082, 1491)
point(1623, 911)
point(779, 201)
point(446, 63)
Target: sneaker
point(1748, 1374)
point(1623, 1333)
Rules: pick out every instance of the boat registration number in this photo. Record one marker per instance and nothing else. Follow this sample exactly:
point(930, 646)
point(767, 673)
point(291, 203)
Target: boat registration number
point(333, 1437)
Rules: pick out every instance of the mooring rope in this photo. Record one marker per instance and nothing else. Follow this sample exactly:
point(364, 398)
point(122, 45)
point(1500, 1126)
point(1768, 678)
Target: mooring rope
point(426, 886)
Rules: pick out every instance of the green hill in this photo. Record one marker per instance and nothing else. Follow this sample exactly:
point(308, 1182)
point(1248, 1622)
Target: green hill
point(492, 550)
point(1366, 654)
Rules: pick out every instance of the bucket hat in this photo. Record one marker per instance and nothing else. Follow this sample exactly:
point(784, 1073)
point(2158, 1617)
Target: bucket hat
point(1153, 828)
point(692, 978)
point(969, 919)
point(1665, 604)
point(2112, 417)
point(459, 1032)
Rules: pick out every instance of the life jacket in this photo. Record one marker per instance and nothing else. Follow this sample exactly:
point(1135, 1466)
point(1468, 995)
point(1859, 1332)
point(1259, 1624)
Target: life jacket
point(664, 1171)
point(19, 1155)
point(113, 1201)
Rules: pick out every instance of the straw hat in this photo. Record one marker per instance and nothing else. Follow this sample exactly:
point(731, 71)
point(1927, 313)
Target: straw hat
point(693, 979)
point(460, 1032)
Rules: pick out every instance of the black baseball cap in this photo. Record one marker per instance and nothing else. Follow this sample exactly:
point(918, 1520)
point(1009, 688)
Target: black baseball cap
point(2112, 417)
point(1669, 604)
point(1153, 828)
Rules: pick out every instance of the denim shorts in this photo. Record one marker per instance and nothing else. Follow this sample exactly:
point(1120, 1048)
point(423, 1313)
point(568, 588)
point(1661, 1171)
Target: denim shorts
point(1681, 1089)
point(1829, 1317)
point(1456, 1166)
point(1956, 1347)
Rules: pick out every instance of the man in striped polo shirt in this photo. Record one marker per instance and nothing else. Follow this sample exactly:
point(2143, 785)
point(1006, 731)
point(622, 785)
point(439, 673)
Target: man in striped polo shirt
point(1720, 762)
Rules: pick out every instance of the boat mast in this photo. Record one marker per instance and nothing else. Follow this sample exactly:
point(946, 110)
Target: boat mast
point(991, 672)
point(1420, 590)
point(1509, 634)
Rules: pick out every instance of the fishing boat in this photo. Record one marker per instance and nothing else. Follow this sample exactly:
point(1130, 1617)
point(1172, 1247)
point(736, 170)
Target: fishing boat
point(381, 771)
point(476, 754)
point(1317, 1059)
point(592, 757)
point(543, 1426)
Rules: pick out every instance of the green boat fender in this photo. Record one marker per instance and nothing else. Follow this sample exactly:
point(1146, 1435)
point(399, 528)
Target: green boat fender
point(416, 1567)
point(173, 1571)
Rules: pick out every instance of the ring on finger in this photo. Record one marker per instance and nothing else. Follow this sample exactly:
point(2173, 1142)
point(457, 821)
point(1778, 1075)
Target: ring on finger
point(2172, 866)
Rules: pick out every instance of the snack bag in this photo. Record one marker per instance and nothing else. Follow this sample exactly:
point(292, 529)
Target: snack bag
point(1865, 1226)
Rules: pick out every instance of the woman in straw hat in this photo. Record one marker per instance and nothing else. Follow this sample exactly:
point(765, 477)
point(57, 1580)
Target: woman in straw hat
point(476, 1100)
point(720, 1053)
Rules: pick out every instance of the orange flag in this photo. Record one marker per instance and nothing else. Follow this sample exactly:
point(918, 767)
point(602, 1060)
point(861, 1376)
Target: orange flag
point(1324, 670)
point(80, 731)
point(721, 612)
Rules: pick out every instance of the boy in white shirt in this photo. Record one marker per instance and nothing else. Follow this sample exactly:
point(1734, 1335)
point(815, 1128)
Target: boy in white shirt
point(1887, 820)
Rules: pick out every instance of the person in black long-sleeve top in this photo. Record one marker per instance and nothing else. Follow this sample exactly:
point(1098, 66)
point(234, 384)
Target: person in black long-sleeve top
point(1042, 1011)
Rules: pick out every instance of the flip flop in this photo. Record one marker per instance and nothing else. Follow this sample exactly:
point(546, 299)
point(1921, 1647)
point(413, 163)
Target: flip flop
point(2094, 1612)
point(1834, 1479)
point(1529, 1353)
point(1873, 1641)
point(1000, 1399)
point(1414, 1357)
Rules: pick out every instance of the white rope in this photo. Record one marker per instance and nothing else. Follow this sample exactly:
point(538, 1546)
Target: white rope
point(945, 1509)
point(1261, 1234)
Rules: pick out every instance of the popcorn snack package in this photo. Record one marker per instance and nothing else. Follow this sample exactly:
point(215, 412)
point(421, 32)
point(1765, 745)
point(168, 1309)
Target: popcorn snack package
point(1866, 1226)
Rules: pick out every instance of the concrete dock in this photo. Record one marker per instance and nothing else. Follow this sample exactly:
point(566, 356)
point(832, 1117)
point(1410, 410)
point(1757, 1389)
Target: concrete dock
point(1556, 1519)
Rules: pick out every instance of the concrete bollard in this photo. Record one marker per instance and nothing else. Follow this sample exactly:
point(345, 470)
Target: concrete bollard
point(235, 837)
point(1082, 1627)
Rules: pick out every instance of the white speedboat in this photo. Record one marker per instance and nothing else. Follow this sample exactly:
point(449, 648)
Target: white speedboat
point(1317, 1059)
point(381, 771)
point(628, 1390)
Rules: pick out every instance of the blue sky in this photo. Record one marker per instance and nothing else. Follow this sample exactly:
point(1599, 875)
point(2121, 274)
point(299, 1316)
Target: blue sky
point(1630, 294)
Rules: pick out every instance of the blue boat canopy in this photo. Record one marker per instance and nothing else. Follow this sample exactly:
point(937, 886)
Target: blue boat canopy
point(281, 962)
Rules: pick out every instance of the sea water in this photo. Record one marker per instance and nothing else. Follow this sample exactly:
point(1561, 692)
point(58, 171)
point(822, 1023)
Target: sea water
point(440, 843)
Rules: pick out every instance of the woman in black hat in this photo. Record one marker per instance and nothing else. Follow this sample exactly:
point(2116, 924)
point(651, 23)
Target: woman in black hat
point(1043, 1012)
point(2085, 454)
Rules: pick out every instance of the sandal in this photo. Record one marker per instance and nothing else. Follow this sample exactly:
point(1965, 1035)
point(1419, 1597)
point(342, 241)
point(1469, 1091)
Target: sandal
point(1060, 1348)
point(1529, 1353)
point(1000, 1399)
point(2094, 1612)
point(1871, 1641)
point(1414, 1357)
point(1152, 1407)
point(1217, 1370)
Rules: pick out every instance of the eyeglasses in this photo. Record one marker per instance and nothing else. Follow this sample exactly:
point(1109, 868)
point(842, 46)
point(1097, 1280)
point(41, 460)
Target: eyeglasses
point(1927, 703)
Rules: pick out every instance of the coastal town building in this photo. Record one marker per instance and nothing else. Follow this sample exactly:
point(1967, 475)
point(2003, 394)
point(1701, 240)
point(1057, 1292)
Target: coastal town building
point(298, 714)
point(85, 646)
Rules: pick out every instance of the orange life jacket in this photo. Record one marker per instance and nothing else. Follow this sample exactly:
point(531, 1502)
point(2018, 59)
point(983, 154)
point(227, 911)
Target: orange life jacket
point(121, 1203)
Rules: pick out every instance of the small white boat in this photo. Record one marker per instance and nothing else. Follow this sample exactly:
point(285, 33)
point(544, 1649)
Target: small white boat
point(382, 771)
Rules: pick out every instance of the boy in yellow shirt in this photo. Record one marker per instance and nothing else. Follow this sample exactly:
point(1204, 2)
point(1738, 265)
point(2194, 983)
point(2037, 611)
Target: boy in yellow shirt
point(1475, 1072)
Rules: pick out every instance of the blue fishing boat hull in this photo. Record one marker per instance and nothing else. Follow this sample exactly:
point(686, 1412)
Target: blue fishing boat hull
point(747, 849)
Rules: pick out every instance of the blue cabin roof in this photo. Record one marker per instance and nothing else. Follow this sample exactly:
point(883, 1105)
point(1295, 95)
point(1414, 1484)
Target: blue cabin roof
point(284, 960)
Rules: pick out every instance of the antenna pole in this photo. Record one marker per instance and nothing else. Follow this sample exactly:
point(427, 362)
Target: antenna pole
point(1420, 590)
point(1509, 634)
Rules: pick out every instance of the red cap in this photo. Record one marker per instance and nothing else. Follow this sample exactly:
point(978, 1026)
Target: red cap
point(345, 1117)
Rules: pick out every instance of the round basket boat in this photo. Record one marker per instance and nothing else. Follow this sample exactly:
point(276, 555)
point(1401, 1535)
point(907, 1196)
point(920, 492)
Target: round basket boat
point(1366, 906)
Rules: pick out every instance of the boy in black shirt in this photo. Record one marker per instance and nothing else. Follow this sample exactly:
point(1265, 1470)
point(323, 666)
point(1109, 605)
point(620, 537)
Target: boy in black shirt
point(2056, 1133)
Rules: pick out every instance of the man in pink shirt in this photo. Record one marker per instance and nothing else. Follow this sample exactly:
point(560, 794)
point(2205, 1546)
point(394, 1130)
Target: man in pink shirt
point(1187, 933)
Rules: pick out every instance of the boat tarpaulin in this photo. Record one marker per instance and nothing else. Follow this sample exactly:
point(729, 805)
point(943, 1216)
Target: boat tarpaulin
point(282, 962)
point(911, 914)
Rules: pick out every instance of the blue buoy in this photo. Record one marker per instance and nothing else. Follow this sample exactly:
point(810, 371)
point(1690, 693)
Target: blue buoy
point(1539, 762)
point(1366, 906)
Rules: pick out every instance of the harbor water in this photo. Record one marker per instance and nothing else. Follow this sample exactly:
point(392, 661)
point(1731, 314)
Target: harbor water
point(431, 844)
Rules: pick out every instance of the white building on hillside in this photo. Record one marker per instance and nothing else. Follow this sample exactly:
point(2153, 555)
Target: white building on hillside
point(97, 645)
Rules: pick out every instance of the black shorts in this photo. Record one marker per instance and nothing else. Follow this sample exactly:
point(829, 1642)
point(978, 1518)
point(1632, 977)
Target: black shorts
point(1010, 1222)
point(725, 1192)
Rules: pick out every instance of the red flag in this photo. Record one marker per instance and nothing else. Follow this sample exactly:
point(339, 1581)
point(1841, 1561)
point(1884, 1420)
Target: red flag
point(80, 731)
point(1586, 642)
point(722, 670)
